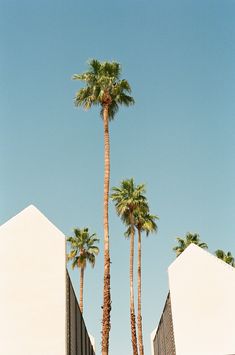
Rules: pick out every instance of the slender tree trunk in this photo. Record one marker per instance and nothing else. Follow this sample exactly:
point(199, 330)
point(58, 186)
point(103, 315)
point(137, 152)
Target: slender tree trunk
point(81, 289)
point(139, 316)
point(132, 306)
point(106, 293)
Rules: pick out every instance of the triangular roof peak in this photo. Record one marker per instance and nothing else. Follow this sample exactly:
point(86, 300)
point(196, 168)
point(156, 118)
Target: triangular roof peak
point(202, 289)
point(29, 217)
point(33, 285)
point(193, 251)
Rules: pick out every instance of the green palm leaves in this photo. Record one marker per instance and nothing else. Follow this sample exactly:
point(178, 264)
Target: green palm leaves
point(103, 87)
point(183, 243)
point(82, 250)
point(226, 257)
point(144, 222)
point(128, 198)
point(132, 206)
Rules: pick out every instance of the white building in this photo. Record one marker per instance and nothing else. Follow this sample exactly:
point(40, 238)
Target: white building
point(38, 308)
point(199, 315)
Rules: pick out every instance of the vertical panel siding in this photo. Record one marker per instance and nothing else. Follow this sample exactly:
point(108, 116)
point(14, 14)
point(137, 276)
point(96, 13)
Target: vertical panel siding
point(78, 341)
point(164, 343)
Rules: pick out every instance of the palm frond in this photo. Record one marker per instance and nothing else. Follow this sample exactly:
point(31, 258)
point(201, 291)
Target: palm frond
point(75, 263)
point(125, 100)
point(111, 70)
point(83, 247)
point(183, 243)
point(128, 232)
point(226, 257)
point(85, 98)
point(127, 198)
point(102, 79)
point(87, 77)
point(94, 66)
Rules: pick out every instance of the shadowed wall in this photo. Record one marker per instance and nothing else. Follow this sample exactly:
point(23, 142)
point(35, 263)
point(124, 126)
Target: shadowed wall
point(78, 341)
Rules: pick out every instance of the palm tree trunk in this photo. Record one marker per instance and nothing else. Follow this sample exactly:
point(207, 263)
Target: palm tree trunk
point(106, 291)
point(139, 316)
point(81, 289)
point(132, 306)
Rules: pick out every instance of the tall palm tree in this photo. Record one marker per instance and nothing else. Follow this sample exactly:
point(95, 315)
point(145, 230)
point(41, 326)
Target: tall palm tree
point(104, 88)
point(144, 222)
point(183, 243)
point(82, 249)
point(226, 257)
point(127, 198)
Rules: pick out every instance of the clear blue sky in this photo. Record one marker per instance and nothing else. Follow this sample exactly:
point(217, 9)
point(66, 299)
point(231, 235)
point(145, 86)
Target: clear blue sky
point(179, 138)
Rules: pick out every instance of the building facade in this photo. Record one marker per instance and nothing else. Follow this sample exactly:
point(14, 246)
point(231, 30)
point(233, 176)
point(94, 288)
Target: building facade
point(78, 340)
point(198, 318)
point(38, 307)
point(163, 341)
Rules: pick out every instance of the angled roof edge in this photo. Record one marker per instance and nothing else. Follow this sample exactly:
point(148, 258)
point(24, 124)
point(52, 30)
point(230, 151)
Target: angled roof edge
point(27, 210)
point(198, 249)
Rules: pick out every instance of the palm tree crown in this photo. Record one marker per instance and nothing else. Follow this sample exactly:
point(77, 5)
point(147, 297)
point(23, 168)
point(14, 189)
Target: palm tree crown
point(226, 257)
point(128, 198)
point(183, 243)
point(144, 221)
point(103, 87)
point(82, 248)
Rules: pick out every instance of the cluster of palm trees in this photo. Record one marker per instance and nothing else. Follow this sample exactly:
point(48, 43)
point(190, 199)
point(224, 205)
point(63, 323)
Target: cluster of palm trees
point(105, 88)
point(132, 206)
point(189, 238)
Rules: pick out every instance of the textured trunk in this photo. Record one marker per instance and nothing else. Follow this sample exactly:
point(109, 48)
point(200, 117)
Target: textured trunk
point(106, 292)
point(132, 307)
point(139, 316)
point(81, 289)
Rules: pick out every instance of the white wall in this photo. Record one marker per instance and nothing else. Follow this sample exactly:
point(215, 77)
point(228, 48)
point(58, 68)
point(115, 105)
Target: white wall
point(32, 286)
point(202, 291)
point(152, 336)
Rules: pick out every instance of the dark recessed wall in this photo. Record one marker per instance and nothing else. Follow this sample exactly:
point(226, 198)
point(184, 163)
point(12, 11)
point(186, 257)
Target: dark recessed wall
point(164, 343)
point(78, 341)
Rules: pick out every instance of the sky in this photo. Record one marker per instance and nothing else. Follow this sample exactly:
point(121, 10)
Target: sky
point(178, 139)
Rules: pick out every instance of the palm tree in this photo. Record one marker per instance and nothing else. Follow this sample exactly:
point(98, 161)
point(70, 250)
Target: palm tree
point(127, 198)
point(183, 243)
point(227, 258)
point(104, 88)
point(82, 249)
point(144, 222)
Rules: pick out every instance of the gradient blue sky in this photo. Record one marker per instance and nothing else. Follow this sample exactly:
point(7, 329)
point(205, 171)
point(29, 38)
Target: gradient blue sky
point(179, 138)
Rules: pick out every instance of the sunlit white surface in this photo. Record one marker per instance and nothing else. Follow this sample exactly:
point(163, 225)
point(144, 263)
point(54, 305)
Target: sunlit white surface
point(33, 288)
point(202, 289)
point(152, 336)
